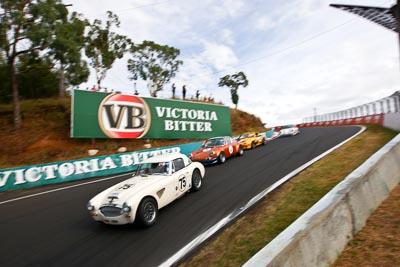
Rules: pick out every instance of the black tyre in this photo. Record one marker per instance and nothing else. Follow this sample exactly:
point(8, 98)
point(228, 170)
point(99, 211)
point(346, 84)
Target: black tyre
point(196, 180)
point(221, 158)
point(240, 152)
point(147, 212)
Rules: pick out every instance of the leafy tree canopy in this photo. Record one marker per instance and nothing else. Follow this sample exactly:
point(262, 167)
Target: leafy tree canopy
point(154, 63)
point(233, 82)
point(104, 46)
point(26, 26)
point(36, 78)
point(65, 51)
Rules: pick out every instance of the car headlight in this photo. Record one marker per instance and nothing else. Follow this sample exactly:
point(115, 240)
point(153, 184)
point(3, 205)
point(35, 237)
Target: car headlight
point(89, 206)
point(126, 208)
point(212, 153)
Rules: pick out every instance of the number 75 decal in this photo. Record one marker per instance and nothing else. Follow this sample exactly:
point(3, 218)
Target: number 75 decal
point(182, 183)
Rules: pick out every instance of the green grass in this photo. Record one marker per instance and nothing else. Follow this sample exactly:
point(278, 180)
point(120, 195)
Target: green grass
point(241, 240)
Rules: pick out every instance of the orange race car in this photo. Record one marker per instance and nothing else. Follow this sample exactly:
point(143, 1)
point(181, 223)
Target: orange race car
point(251, 139)
point(217, 149)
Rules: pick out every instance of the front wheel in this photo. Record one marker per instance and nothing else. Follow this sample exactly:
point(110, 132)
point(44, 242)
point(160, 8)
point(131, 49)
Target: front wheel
point(240, 152)
point(196, 180)
point(221, 158)
point(147, 212)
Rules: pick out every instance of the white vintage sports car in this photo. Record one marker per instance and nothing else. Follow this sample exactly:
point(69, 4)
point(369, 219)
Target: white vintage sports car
point(157, 182)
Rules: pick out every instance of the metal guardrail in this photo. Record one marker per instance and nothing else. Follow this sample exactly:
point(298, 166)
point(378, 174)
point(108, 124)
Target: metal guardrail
point(390, 104)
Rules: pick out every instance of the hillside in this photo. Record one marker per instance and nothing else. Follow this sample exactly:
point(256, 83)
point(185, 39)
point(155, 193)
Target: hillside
point(45, 136)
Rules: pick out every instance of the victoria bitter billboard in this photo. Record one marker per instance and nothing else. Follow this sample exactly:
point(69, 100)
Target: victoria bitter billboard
point(105, 115)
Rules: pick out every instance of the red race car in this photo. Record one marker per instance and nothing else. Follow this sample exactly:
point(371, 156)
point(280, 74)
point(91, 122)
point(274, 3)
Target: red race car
point(217, 149)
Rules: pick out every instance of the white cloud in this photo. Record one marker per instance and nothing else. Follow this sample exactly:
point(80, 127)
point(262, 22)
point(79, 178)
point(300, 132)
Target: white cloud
point(227, 37)
point(226, 8)
point(264, 23)
point(219, 56)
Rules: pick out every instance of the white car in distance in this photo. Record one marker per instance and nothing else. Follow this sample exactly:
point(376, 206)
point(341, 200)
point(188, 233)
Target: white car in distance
point(157, 181)
point(289, 130)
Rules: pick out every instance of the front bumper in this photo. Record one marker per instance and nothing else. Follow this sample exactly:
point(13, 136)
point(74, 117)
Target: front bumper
point(206, 161)
point(125, 218)
point(246, 145)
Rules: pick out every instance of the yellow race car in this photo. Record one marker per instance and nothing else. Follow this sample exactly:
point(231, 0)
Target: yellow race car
point(251, 140)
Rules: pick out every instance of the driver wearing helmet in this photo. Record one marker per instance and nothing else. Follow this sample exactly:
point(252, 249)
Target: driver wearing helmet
point(166, 167)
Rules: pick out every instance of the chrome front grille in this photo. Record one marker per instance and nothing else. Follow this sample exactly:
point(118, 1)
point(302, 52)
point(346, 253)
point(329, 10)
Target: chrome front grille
point(111, 211)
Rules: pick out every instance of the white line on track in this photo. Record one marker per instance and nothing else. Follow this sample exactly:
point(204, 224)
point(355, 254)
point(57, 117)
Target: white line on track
point(213, 229)
point(61, 189)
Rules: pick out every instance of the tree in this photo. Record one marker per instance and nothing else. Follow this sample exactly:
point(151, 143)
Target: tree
point(233, 82)
point(5, 85)
point(36, 78)
point(65, 52)
point(154, 63)
point(104, 46)
point(26, 26)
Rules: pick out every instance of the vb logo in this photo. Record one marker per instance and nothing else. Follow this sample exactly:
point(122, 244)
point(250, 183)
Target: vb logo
point(124, 116)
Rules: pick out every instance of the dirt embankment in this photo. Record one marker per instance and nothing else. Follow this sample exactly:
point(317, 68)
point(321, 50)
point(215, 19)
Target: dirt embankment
point(45, 135)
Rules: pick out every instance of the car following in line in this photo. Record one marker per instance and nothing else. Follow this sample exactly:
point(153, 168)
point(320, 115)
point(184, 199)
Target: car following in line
point(251, 140)
point(217, 150)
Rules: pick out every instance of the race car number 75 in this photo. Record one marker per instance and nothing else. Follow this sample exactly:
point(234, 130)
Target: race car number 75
point(182, 183)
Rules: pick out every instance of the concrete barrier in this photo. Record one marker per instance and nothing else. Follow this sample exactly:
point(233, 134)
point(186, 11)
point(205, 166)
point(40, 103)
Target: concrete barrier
point(319, 236)
point(392, 121)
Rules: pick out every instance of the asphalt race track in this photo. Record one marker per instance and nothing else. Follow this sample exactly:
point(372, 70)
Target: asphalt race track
point(55, 229)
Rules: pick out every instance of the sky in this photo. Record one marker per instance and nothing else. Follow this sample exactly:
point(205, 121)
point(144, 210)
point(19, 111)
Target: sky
point(300, 56)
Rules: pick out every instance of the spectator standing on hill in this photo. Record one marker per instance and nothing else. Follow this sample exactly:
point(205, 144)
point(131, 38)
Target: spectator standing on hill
point(197, 94)
point(94, 89)
point(184, 92)
point(173, 90)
